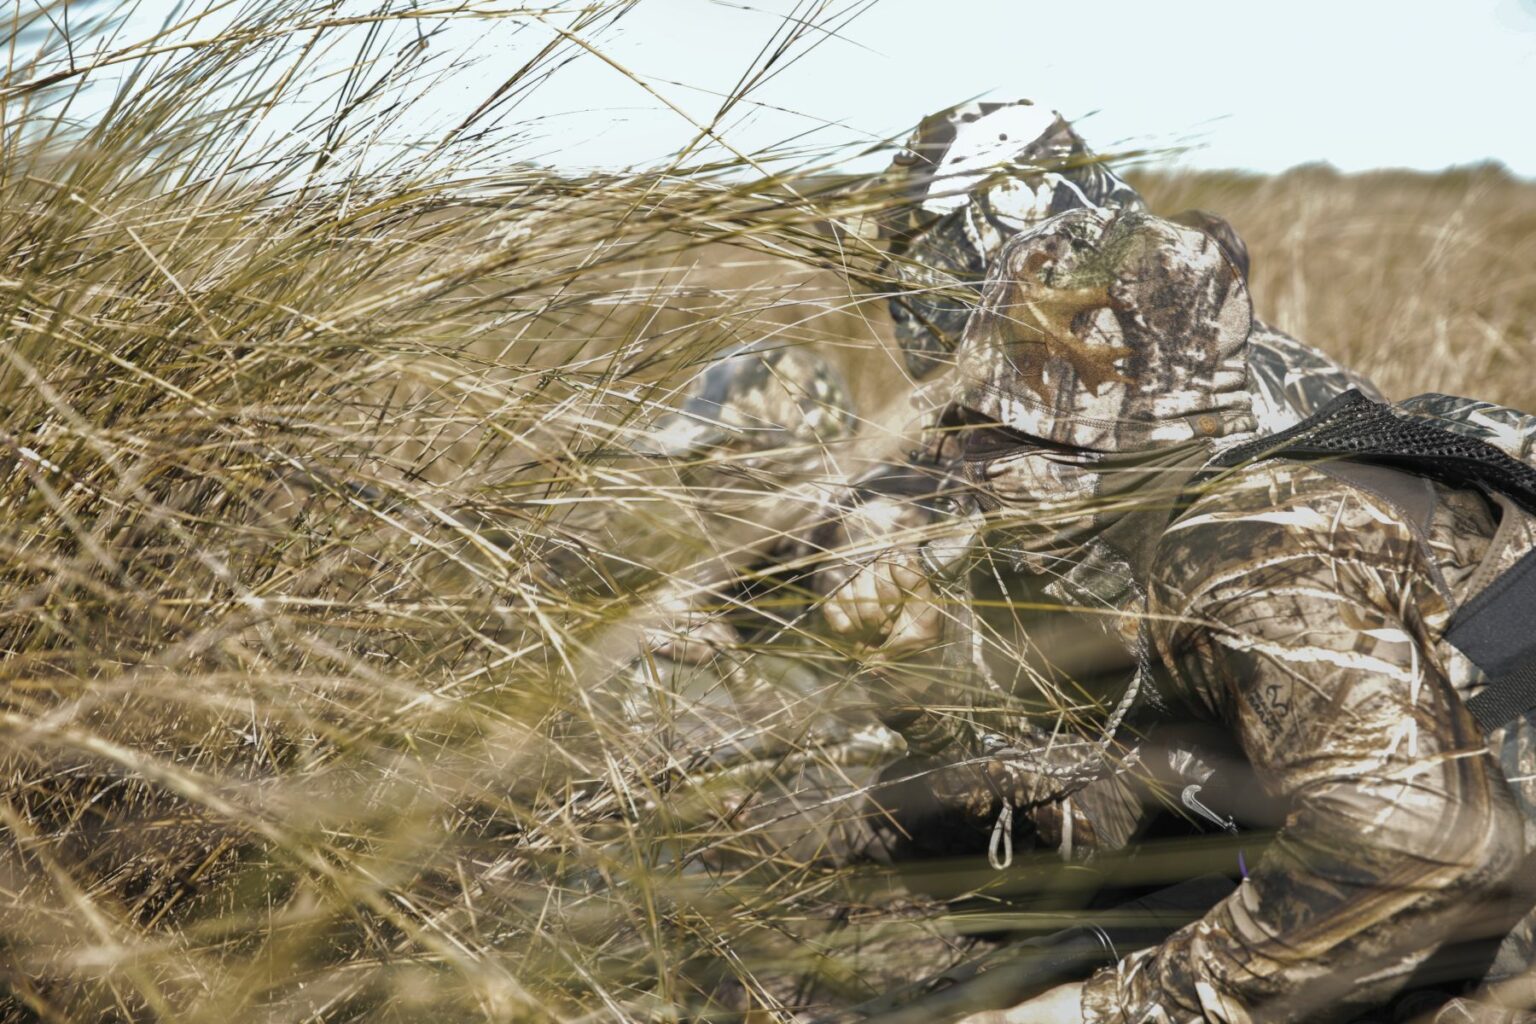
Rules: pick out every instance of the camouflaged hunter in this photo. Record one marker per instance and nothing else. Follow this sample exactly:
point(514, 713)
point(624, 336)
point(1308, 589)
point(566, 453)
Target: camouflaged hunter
point(1303, 613)
point(737, 701)
point(971, 186)
point(973, 176)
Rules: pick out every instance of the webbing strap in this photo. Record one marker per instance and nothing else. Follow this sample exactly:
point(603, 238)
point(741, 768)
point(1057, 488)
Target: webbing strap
point(1506, 698)
point(1352, 426)
point(1497, 630)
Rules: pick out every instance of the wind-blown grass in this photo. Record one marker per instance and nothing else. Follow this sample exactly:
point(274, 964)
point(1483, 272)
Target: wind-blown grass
point(295, 723)
point(298, 722)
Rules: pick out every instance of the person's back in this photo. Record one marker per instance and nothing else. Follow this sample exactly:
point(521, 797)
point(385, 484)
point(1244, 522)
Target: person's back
point(1301, 608)
point(1305, 606)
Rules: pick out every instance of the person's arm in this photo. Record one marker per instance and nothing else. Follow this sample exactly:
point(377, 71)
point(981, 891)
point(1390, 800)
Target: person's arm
point(1399, 819)
point(891, 609)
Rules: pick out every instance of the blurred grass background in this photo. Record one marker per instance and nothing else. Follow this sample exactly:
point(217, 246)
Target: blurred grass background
point(295, 723)
point(1422, 281)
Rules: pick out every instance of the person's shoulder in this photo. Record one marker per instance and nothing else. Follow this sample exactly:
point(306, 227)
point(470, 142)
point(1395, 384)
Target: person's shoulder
point(1281, 511)
point(1291, 380)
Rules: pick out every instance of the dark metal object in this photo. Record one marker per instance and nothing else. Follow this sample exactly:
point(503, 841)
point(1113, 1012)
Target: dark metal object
point(1066, 956)
point(1494, 630)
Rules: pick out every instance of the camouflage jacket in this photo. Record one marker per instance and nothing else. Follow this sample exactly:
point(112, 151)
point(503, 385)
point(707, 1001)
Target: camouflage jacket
point(1304, 608)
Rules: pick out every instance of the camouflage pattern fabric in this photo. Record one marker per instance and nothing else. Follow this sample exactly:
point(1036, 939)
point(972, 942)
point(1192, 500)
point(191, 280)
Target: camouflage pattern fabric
point(773, 760)
point(1009, 164)
point(1220, 229)
point(1079, 341)
point(1303, 611)
point(767, 764)
point(1290, 381)
point(1507, 429)
point(760, 397)
point(944, 274)
point(762, 736)
point(970, 178)
point(1302, 608)
point(953, 218)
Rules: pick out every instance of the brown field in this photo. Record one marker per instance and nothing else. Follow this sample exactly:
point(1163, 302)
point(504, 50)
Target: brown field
point(1425, 282)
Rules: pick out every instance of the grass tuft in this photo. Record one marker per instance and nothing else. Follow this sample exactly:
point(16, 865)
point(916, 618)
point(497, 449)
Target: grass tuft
point(325, 549)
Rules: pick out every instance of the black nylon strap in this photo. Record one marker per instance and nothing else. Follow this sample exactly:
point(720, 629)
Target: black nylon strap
point(1356, 428)
point(1497, 630)
point(1506, 698)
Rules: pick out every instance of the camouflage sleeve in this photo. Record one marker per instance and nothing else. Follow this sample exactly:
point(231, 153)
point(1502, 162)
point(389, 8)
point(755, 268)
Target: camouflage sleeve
point(1290, 381)
point(1398, 817)
point(1511, 431)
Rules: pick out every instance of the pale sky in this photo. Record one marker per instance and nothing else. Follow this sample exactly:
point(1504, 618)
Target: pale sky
point(1251, 85)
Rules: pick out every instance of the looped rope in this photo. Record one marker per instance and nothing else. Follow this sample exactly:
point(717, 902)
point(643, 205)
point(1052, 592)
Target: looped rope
point(1000, 849)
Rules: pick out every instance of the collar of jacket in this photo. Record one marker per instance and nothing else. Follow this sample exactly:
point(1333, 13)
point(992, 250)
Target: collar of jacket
point(1143, 492)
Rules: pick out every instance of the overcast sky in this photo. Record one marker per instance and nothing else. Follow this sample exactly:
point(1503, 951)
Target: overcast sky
point(1246, 83)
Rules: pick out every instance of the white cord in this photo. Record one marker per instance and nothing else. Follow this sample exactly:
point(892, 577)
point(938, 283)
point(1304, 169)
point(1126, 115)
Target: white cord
point(1002, 839)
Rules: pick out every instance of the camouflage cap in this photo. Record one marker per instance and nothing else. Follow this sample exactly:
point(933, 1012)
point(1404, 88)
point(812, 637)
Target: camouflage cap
point(1110, 331)
point(970, 178)
point(757, 397)
point(1219, 228)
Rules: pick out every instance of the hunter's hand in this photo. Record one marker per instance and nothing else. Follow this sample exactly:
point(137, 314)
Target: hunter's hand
point(887, 606)
point(1061, 1005)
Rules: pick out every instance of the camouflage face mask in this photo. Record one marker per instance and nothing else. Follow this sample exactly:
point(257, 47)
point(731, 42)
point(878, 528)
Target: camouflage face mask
point(1111, 332)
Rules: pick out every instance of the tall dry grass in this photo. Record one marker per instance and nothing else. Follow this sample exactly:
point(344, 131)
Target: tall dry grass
point(1423, 281)
point(296, 722)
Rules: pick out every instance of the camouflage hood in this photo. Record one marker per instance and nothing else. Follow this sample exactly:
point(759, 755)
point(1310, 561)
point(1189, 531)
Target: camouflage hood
point(1110, 331)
